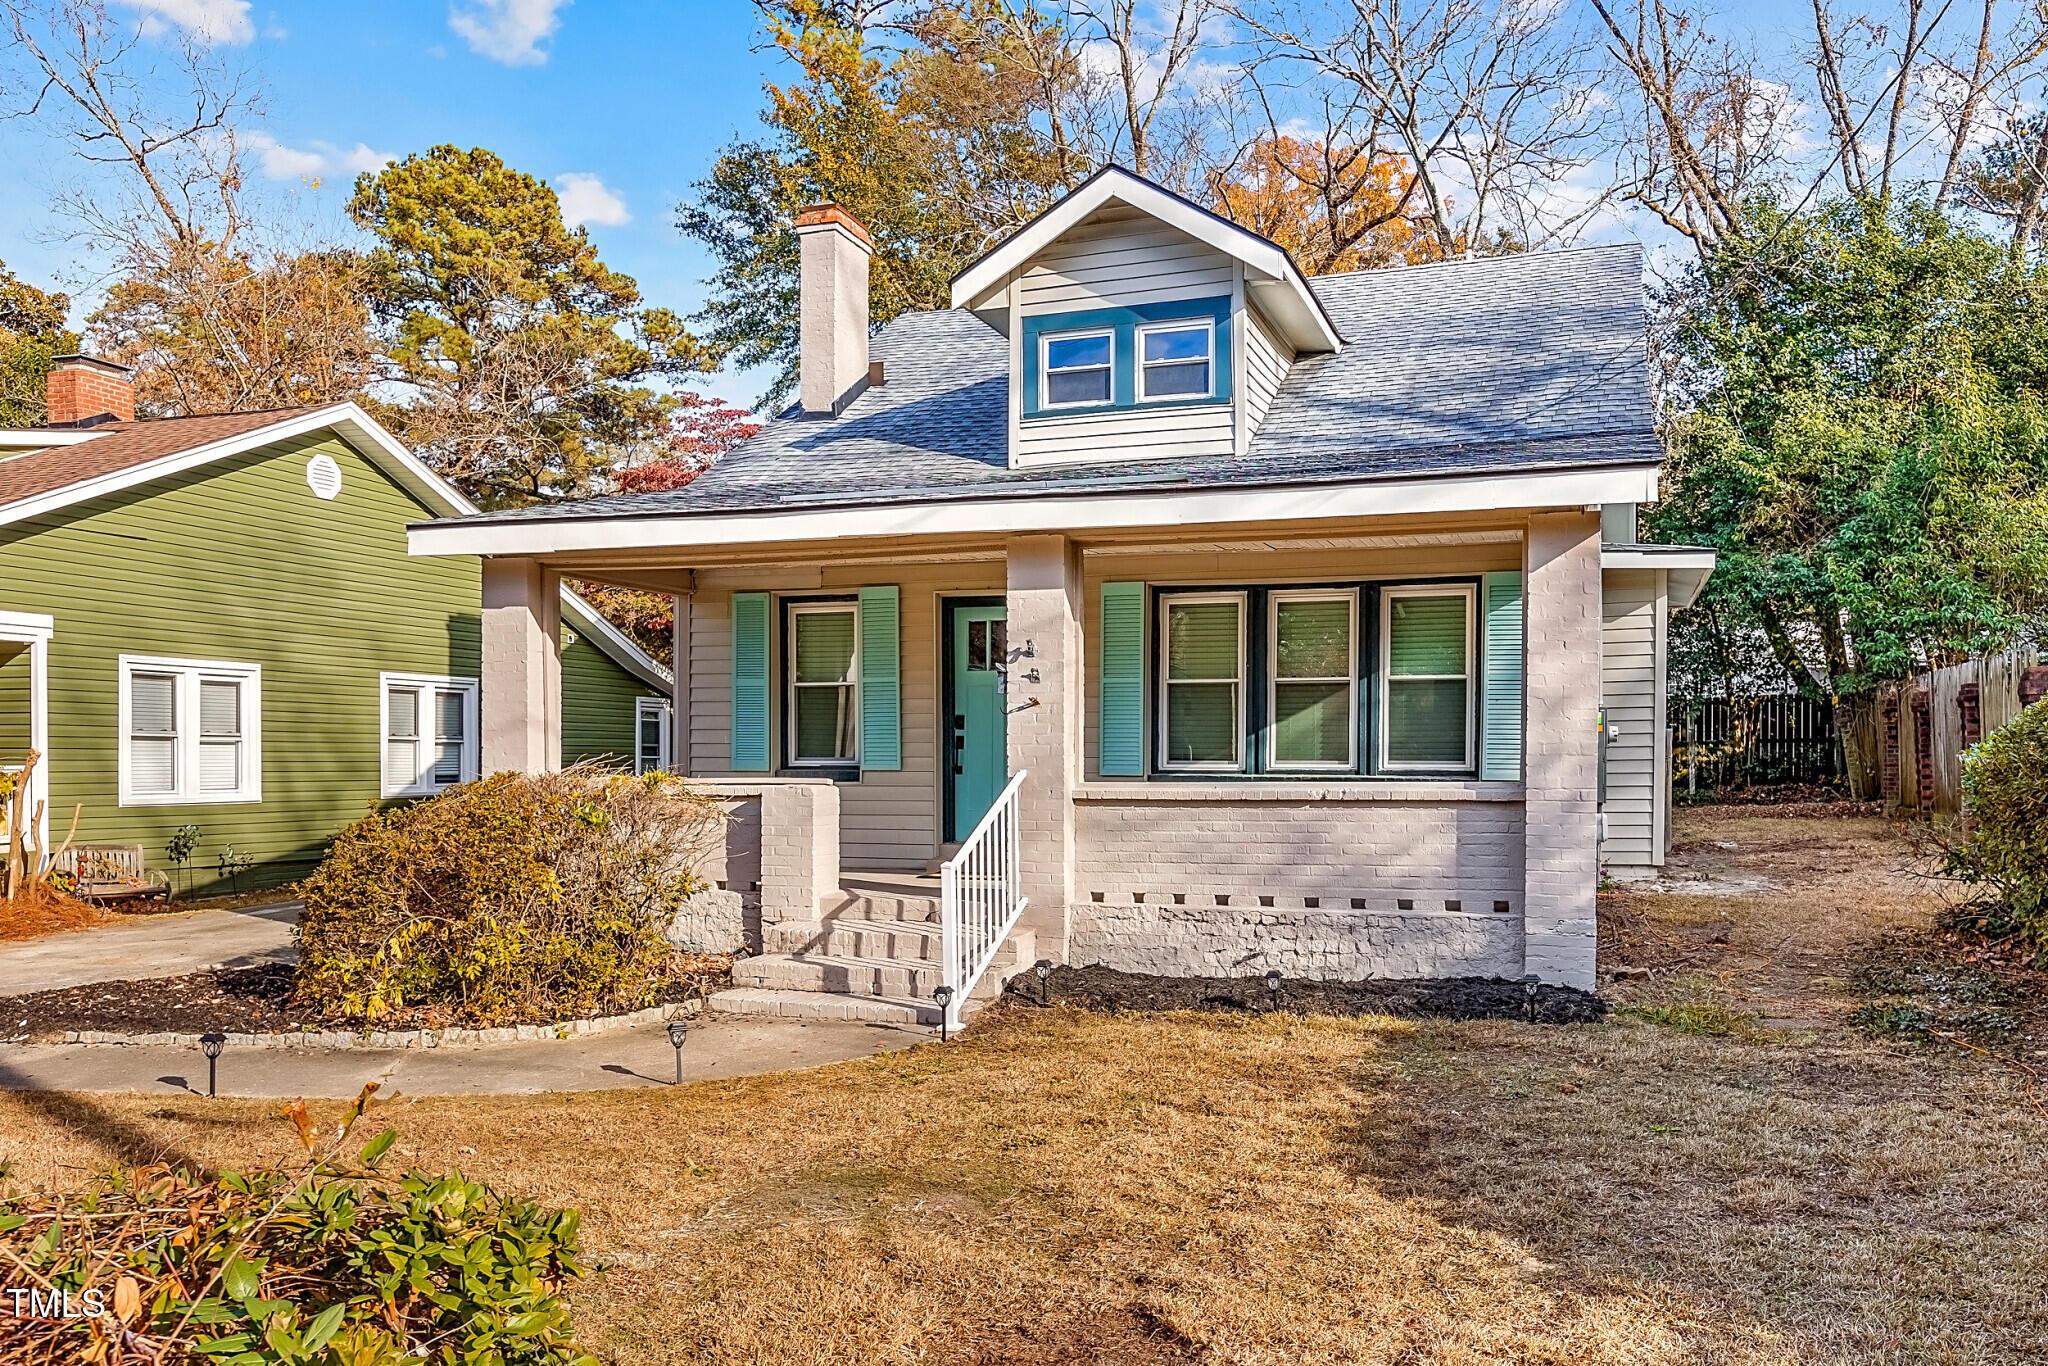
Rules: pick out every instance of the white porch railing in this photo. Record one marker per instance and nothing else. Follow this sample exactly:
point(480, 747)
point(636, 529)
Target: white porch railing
point(980, 898)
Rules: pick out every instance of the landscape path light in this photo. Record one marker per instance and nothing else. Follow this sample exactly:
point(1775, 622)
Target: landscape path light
point(211, 1045)
point(678, 1030)
point(1273, 988)
point(943, 994)
point(1529, 985)
point(1043, 967)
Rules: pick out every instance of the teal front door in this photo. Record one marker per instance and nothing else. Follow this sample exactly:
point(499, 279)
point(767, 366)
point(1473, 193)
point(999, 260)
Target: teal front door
point(976, 738)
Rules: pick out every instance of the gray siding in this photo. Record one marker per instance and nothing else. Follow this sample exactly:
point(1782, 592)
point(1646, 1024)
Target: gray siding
point(1266, 358)
point(1632, 691)
point(1113, 262)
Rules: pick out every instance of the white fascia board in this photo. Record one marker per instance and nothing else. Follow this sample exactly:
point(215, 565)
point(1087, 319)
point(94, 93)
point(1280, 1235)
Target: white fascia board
point(1687, 568)
point(42, 438)
point(1064, 512)
point(351, 423)
point(1309, 328)
point(614, 642)
point(19, 626)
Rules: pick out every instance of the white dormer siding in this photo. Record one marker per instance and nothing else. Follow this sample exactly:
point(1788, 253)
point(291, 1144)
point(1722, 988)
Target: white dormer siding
point(1119, 260)
point(1266, 359)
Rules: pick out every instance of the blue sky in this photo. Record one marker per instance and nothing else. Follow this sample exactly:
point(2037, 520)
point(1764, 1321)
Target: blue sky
point(621, 105)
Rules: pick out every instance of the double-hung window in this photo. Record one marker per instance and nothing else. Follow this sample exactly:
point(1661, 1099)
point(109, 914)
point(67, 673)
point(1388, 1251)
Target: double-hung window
point(824, 685)
point(651, 734)
point(1202, 693)
point(1175, 360)
point(430, 733)
point(1077, 369)
point(1426, 669)
point(1312, 702)
point(191, 731)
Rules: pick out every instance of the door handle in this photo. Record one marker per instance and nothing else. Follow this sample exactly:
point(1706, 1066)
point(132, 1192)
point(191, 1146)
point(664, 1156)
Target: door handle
point(959, 744)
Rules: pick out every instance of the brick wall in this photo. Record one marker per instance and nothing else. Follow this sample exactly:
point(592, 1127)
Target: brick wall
point(79, 392)
point(1338, 889)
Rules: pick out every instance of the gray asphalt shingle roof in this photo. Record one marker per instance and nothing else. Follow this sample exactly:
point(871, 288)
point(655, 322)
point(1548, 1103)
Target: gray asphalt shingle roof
point(1536, 361)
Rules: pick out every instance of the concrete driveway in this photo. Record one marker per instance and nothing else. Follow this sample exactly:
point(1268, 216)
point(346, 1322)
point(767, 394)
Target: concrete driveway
point(151, 946)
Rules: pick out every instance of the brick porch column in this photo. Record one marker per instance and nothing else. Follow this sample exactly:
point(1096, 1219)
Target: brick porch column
point(1044, 616)
point(522, 667)
point(1561, 754)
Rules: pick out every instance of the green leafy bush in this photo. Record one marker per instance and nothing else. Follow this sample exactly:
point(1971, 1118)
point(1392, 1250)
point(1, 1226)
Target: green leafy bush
point(2005, 785)
point(507, 900)
point(329, 1266)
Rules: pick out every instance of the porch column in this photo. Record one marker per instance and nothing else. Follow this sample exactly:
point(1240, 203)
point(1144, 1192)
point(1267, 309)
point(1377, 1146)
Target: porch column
point(1044, 614)
point(522, 662)
point(678, 756)
point(1561, 758)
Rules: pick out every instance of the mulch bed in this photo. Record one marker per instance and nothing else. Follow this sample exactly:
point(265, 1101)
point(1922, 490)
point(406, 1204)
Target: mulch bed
point(239, 1001)
point(1448, 998)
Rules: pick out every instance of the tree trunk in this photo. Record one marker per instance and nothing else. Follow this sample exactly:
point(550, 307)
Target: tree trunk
point(1862, 765)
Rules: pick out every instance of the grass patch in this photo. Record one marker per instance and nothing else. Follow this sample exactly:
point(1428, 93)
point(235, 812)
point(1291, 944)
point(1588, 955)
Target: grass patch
point(1702, 1019)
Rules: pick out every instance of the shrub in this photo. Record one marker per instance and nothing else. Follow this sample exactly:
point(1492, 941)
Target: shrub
point(334, 1265)
point(2005, 785)
point(514, 898)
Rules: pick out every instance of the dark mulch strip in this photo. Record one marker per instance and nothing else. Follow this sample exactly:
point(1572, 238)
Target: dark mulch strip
point(1448, 998)
point(234, 1000)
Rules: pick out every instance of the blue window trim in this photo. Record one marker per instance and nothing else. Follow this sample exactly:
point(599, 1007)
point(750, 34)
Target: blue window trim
point(1124, 323)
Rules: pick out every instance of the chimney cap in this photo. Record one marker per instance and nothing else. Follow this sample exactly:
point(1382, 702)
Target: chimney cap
point(828, 215)
point(78, 360)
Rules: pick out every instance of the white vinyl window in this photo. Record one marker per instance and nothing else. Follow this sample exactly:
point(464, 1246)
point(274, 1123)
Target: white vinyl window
point(429, 725)
point(191, 732)
point(1077, 369)
point(1201, 685)
point(1175, 360)
point(824, 684)
point(1312, 680)
point(1426, 645)
point(651, 734)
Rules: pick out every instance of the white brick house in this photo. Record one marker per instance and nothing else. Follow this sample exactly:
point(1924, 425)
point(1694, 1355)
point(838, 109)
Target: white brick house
point(1239, 620)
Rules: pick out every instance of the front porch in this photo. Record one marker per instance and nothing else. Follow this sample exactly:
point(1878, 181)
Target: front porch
point(1117, 858)
point(25, 722)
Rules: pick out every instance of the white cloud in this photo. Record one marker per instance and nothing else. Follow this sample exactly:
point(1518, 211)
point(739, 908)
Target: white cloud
point(316, 159)
point(508, 31)
point(210, 21)
point(586, 199)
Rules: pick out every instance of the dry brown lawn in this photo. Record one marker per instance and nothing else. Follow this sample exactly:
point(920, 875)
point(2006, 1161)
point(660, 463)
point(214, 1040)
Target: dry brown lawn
point(1057, 1187)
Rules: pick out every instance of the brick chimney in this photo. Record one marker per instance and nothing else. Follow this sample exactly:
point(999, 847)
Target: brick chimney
point(85, 391)
point(832, 342)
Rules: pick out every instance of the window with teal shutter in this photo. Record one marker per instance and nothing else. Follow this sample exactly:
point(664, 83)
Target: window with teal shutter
point(1123, 680)
point(1426, 688)
point(750, 682)
point(1501, 743)
point(881, 705)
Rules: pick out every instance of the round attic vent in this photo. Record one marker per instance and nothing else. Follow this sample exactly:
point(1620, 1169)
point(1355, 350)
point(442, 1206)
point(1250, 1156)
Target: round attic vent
point(323, 476)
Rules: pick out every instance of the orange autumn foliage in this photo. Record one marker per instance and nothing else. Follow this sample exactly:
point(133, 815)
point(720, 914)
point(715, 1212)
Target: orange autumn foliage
point(1333, 208)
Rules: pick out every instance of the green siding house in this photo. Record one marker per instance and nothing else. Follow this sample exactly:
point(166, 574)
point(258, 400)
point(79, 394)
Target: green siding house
point(213, 622)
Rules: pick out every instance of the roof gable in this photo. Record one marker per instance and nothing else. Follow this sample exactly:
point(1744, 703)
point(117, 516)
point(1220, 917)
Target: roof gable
point(1275, 283)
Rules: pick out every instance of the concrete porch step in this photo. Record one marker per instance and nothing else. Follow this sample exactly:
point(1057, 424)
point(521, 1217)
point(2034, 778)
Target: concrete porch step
point(823, 1005)
point(830, 973)
point(845, 936)
point(874, 906)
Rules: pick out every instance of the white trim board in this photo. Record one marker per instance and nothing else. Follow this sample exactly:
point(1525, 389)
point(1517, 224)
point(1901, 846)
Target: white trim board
point(1275, 282)
point(368, 438)
point(996, 514)
point(1687, 568)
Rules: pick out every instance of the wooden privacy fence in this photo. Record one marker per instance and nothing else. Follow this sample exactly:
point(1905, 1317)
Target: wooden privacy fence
point(1927, 724)
point(1720, 742)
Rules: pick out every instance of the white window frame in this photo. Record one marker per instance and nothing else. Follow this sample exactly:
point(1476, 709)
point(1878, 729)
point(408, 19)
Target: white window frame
point(422, 783)
point(665, 714)
point(1045, 370)
point(790, 685)
point(1145, 369)
point(1470, 593)
point(1168, 601)
point(189, 673)
point(1274, 598)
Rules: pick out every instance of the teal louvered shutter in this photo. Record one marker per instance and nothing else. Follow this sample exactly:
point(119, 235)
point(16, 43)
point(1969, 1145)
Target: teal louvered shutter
point(750, 682)
point(1123, 680)
point(881, 673)
point(1501, 727)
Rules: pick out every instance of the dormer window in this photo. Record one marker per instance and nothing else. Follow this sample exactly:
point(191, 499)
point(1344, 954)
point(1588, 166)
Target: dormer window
point(1079, 369)
point(1175, 359)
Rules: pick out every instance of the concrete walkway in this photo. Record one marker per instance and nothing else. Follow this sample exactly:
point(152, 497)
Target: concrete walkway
point(168, 945)
point(641, 1056)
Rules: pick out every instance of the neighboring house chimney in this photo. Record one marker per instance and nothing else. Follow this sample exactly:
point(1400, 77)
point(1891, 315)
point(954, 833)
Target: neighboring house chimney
point(833, 317)
point(85, 391)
